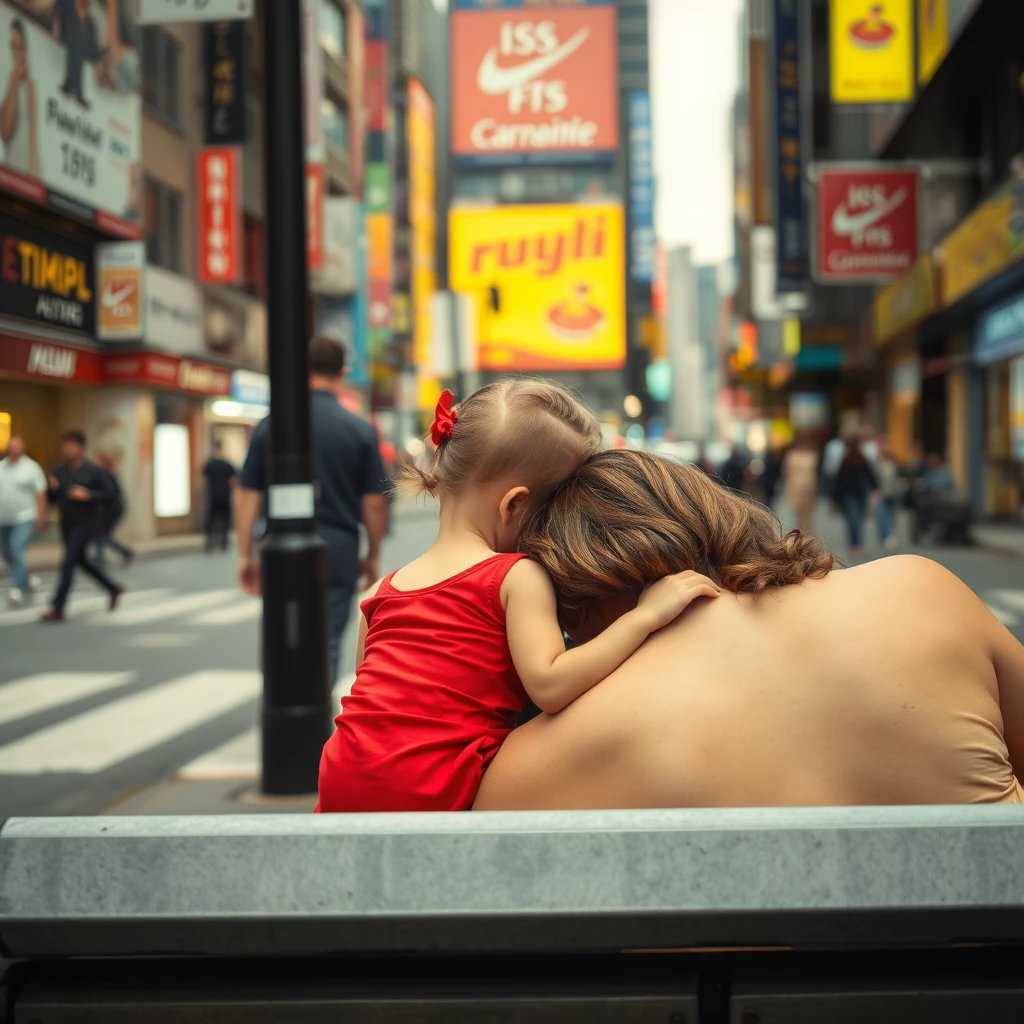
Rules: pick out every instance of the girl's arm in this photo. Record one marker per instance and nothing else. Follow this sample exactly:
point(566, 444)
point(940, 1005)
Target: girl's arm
point(554, 677)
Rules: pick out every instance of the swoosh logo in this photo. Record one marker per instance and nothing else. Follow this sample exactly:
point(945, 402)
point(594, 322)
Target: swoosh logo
point(494, 80)
point(846, 224)
point(113, 297)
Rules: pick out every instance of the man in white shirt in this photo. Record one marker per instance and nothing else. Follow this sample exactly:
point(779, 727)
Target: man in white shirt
point(22, 507)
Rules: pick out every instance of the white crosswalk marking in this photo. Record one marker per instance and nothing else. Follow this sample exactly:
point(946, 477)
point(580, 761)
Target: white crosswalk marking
point(168, 609)
point(249, 609)
point(29, 696)
point(78, 606)
point(99, 739)
point(1010, 598)
point(1008, 619)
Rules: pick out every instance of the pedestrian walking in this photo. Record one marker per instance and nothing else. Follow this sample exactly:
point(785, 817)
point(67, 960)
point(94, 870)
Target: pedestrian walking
point(772, 474)
point(890, 492)
point(22, 509)
point(350, 492)
point(854, 483)
point(800, 482)
point(221, 479)
point(111, 515)
point(734, 469)
point(80, 489)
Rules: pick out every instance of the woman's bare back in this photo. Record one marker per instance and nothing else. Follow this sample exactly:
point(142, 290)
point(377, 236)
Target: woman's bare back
point(875, 685)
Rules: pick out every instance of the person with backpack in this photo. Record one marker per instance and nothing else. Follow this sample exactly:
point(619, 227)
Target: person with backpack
point(111, 514)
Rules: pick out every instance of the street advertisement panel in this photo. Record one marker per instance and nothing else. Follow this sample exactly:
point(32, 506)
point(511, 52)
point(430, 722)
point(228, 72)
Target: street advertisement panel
point(641, 188)
point(225, 77)
point(984, 243)
point(422, 136)
point(549, 283)
point(46, 277)
point(932, 37)
point(119, 282)
point(219, 214)
point(867, 222)
point(872, 51)
point(790, 216)
point(70, 135)
point(534, 85)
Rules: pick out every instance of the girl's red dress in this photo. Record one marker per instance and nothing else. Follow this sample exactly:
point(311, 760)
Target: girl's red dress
point(433, 700)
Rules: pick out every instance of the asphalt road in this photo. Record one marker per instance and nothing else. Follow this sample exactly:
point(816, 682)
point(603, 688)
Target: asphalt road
point(103, 705)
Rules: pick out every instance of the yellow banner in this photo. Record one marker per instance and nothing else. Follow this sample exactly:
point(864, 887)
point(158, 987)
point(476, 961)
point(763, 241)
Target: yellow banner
point(905, 302)
point(558, 276)
point(932, 37)
point(872, 51)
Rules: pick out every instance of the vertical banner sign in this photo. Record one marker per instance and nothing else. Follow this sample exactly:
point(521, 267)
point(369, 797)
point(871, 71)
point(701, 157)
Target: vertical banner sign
point(422, 218)
point(119, 286)
point(376, 85)
point(312, 87)
point(932, 37)
point(641, 188)
point(357, 97)
point(790, 218)
point(1017, 408)
point(224, 59)
point(378, 256)
point(872, 51)
point(219, 213)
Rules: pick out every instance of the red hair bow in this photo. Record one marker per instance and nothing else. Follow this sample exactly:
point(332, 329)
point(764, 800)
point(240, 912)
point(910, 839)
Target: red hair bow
point(444, 418)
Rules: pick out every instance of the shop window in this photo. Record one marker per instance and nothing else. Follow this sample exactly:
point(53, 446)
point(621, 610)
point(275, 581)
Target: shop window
point(161, 75)
point(332, 29)
point(334, 120)
point(163, 227)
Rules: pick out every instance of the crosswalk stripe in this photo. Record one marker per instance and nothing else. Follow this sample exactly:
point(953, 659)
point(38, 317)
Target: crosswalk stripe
point(98, 739)
point(83, 605)
point(1010, 598)
point(229, 616)
point(168, 609)
point(1006, 618)
point(32, 694)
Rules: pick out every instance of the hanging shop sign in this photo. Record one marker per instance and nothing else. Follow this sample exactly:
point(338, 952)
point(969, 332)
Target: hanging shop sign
point(46, 277)
point(72, 110)
point(867, 222)
point(985, 243)
point(549, 283)
point(641, 188)
point(906, 302)
point(119, 268)
point(226, 91)
point(790, 217)
point(872, 51)
point(219, 208)
point(533, 85)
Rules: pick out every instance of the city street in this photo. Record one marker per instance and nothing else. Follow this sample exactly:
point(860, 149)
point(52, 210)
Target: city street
point(105, 705)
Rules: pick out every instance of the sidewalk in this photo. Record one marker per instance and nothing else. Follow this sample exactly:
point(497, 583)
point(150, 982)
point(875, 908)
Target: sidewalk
point(1000, 538)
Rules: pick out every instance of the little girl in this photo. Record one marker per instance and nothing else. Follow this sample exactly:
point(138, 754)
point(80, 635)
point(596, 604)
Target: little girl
point(451, 646)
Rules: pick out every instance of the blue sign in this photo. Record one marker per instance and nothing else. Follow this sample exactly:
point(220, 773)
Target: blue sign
point(249, 388)
point(641, 188)
point(820, 357)
point(376, 12)
point(791, 227)
point(1000, 333)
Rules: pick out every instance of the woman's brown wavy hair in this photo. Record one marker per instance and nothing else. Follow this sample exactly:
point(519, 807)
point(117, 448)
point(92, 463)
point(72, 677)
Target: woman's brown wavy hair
point(628, 518)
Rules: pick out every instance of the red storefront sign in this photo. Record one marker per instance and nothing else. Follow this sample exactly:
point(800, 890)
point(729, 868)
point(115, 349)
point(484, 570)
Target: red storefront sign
point(169, 372)
point(867, 222)
point(44, 360)
point(315, 216)
point(219, 208)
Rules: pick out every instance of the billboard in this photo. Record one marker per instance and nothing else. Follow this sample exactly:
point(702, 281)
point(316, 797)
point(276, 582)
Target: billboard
point(872, 51)
point(549, 283)
point(422, 134)
point(70, 137)
point(867, 222)
point(534, 85)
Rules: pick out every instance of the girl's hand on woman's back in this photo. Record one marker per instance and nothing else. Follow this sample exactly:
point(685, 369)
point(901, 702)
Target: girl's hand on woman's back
point(665, 600)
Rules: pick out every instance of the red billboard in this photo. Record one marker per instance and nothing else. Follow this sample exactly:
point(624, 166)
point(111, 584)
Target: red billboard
point(867, 222)
point(532, 85)
point(219, 208)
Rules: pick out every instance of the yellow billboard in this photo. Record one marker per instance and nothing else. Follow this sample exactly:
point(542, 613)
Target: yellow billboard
point(872, 51)
point(549, 283)
point(932, 37)
point(422, 136)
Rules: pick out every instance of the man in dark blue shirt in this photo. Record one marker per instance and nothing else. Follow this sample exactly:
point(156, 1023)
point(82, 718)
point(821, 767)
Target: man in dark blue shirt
point(350, 483)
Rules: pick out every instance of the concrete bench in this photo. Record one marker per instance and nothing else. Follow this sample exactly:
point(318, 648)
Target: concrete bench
point(723, 905)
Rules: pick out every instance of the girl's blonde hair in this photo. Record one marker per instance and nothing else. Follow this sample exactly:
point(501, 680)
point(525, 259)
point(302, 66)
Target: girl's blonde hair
point(513, 426)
